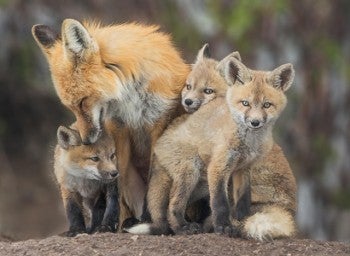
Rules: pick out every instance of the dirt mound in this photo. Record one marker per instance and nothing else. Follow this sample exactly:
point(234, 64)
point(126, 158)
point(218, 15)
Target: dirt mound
point(203, 244)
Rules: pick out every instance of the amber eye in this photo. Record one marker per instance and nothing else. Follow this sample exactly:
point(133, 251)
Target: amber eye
point(94, 158)
point(113, 156)
point(208, 91)
point(245, 103)
point(267, 105)
point(188, 86)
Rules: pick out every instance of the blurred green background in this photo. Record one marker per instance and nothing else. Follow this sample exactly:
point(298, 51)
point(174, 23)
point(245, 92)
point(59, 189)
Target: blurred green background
point(314, 130)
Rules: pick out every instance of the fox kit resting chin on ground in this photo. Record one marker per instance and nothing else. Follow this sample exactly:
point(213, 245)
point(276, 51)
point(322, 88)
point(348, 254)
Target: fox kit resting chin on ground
point(273, 185)
point(87, 176)
point(197, 154)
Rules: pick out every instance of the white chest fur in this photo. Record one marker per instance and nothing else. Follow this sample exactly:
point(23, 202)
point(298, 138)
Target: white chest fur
point(136, 106)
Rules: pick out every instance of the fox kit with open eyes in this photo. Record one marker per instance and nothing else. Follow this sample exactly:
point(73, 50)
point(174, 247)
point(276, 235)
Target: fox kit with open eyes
point(197, 154)
point(87, 177)
point(273, 185)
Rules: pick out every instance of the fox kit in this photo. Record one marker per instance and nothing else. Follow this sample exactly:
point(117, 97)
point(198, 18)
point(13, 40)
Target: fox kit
point(130, 72)
point(273, 186)
point(197, 154)
point(86, 175)
point(202, 84)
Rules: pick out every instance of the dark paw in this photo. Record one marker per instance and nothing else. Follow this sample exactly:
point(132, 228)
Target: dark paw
point(189, 229)
point(105, 229)
point(72, 233)
point(226, 230)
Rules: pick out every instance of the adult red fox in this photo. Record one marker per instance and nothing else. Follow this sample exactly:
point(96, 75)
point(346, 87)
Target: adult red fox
point(130, 73)
point(198, 153)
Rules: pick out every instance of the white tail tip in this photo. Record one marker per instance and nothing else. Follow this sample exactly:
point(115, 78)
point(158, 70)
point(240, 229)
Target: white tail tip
point(272, 222)
point(140, 229)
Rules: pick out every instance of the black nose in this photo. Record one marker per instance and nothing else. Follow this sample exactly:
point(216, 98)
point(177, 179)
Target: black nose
point(255, 123)
point(188, 102)
point(114, 174)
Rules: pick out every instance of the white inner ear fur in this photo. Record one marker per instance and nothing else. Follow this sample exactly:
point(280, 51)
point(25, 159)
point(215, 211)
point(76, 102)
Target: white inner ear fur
point(283, 76)
point(76, 38)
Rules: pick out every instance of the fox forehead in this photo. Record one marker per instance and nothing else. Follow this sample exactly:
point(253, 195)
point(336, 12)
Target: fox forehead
point(258, 90)
point(205, 74)
point(75, 82)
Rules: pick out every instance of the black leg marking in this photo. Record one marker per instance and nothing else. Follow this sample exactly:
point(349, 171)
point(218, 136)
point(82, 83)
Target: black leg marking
point(146, 216)
point(242, 208)
point(98, 211)
point(111, 216)
point(75, 218)
point(221, 211)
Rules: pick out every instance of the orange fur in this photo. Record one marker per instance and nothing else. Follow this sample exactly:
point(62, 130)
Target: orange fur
point(129, 72)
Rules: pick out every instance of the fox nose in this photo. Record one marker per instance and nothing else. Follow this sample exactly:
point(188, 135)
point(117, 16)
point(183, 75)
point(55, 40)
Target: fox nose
point(114, 174)
point(255, 123)
point(188, 102)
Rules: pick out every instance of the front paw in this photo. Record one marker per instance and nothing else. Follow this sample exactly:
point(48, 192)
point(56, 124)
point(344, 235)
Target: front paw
point(105, 229)
point(229, 230)
point(73, 232)
point(189, 229)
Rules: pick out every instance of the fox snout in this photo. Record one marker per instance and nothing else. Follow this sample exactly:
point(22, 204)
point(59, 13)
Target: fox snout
point(255, 123)
point(191, 105)
point(109, 175)
point(90, 136)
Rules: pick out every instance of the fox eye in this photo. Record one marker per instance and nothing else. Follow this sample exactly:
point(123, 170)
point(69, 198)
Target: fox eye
point(81, 103)
point(94, 158)
point(208, 91)
point(245, 103)
point(188, 86)
point(113, 156)
point(267, 105)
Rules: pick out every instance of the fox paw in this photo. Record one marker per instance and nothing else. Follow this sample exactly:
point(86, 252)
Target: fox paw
point(189, 229)
point(226, 230)
point(104, 229)
point(72, 233)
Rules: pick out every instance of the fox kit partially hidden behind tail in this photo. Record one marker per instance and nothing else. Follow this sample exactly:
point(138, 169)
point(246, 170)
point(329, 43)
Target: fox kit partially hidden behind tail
point(87, 176)
point(197, 154)
point(273, 185)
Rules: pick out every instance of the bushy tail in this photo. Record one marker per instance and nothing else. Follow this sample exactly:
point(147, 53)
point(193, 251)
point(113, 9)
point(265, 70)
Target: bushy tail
point(269, 223)
point(140, 229)
point(148, 229)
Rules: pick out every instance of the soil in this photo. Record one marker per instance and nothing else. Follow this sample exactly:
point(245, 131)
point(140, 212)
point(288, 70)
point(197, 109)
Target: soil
point(203, 244)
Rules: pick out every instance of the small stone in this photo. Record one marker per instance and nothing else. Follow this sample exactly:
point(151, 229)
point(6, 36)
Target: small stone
point(134, 238)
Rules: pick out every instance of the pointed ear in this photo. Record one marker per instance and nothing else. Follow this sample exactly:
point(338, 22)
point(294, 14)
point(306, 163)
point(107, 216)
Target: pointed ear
point(235, 71)
point(203, 53)
point(77, 41)
point(67, 137)
point(222, 63)
point(44, 36)
point(282, 77)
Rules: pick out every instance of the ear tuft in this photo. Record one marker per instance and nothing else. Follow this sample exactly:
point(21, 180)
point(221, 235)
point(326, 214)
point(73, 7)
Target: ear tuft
point(234, 71)
point(283, 77)
point(76, 39)
point(67, 137)
point(222, 64)
point(203, 53)
point(235, 55)
point(44, 35)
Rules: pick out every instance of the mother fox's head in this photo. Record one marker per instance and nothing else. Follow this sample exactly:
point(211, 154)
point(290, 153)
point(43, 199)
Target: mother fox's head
point(83, 81)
